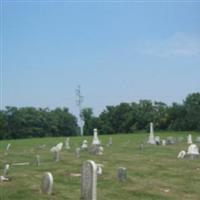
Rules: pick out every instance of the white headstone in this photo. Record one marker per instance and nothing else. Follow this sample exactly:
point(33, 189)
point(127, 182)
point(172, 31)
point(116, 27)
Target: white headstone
point(99, 169)
point(193, 150)
point(181, 154)
point(84, 145)
point(151, 136)
point(47, 183)
point(67, 145)
point(8, 147)
point(5, 171)
point(157, 139)
point(59, 146)
point(89, 181)
point(189, 139)
point(163, 142)
point(96, 140)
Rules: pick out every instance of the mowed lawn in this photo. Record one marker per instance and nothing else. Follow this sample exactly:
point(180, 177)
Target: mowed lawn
point(154, 173)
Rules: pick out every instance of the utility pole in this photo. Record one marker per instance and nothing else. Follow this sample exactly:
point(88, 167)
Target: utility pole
point(79, 102)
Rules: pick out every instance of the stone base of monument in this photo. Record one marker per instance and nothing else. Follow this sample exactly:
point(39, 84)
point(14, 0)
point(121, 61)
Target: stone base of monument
point(191, 156)
point(96, 149)
point(170, 141)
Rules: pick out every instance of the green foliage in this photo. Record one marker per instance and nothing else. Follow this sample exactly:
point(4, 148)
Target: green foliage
point(128, 118)
point(31, 122)
point(123, 118)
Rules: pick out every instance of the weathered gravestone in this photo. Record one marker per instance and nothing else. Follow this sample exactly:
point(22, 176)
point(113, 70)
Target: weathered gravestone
point(56, 151)
point(38, 160)
point(89, 181)
point(6, 169)
point(189, 139)
point(109, 142)
point(8, 147)
point(78, 152)
point(121, 174)
point(47, 183)
point(84, 145)
point(67, 145)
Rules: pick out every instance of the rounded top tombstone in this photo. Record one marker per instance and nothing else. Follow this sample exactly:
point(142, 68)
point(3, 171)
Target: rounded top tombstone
point(47, 183)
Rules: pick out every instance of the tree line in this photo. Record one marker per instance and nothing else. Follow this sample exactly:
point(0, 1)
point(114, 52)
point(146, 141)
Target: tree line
point(29, 122)
point(131, 117)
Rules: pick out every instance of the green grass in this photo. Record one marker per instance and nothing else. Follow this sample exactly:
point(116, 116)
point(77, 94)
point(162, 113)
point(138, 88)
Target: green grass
point(154, 173)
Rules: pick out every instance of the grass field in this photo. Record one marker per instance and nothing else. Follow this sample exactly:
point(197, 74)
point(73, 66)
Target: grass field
point(154, 173)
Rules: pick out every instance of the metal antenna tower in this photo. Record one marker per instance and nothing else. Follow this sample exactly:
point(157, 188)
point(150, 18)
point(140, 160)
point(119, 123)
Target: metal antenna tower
point(79, 103)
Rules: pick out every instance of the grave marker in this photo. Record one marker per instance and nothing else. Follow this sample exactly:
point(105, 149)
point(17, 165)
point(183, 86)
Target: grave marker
point(89, 181)
point(47, 183)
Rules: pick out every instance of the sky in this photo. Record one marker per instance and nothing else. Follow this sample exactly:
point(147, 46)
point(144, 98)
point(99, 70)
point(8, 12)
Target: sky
point(117, 51)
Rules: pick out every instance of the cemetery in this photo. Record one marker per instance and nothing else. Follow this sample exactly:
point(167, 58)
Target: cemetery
point(99, 100)
point(124, 169)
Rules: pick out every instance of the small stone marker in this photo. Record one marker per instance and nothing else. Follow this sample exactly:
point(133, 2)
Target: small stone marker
point(109, 142)
point(8, 147)
point(89, 181)
point(78, 152)
point(57, 156)
point(6, 169)
point(121, 174)
point(189, 139)
point(163, 142)
point(141, 146)
point(38, 160)
point(84, 145)
point(47, 183)
point(67, 145)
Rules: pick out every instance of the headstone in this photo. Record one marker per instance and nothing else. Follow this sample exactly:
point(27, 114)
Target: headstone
point(181, 154)
point(157, 140)
point(59, 146)
point(67, 145)
point(78, 152)
point(47, 183)
point(193, 149)
point(170, 140)
point(96, 140)
point(56, 151)
point(189, 139)
point(21, 164)
point(151, 135)
point(163, 142)
point(99, 169)
point(42, 146)
point(38, 160)
point(84, 145)
point(89, 181)
point(96, 149)
point(6, 169)
point(109, 142)
point(57, 156)
point(122, 174)
point(8, 147)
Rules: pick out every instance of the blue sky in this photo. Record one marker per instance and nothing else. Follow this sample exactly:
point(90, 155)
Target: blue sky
point(117, 52)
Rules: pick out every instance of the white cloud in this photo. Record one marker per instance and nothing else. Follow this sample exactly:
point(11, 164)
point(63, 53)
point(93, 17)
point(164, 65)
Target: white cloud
point(179, 44)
